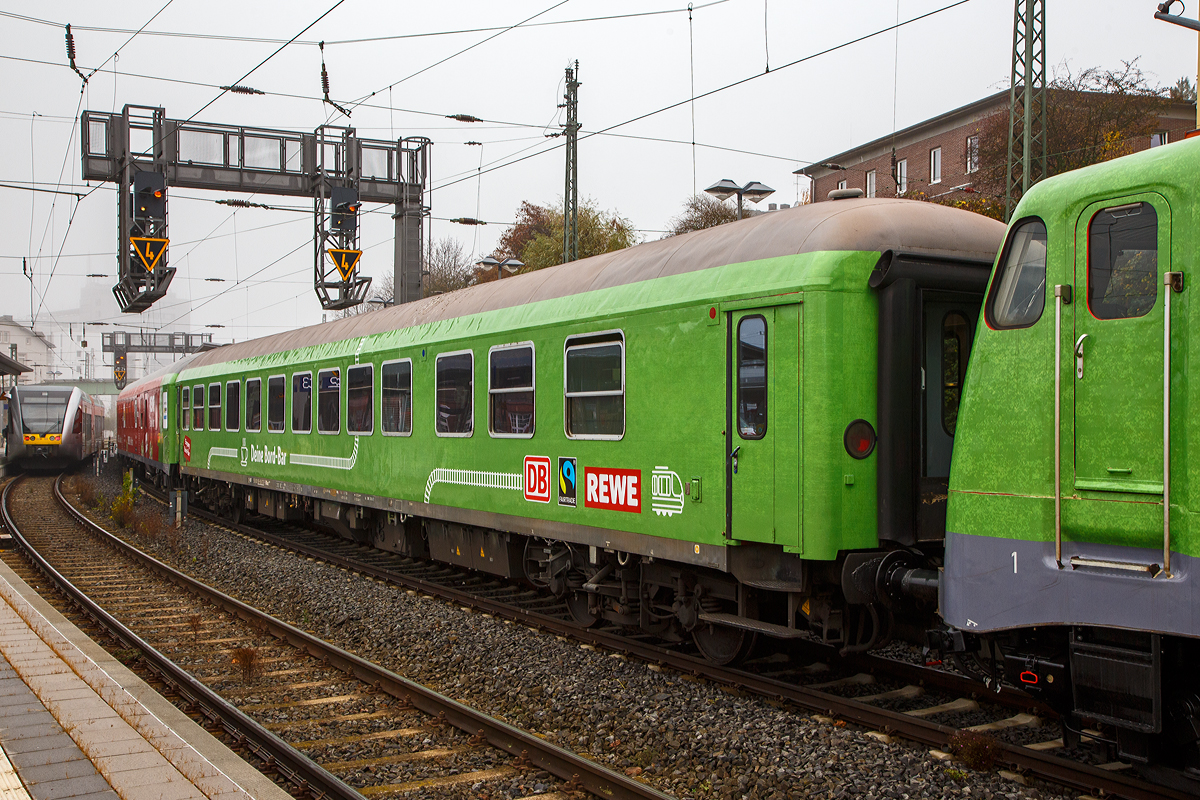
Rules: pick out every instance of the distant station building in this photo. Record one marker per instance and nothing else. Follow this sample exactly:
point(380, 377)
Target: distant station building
point(33, 349)
point(941, 154)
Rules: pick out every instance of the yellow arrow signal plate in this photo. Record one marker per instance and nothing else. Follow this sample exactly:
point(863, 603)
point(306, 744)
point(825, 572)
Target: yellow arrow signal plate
point(149, 250)
point(345, 261)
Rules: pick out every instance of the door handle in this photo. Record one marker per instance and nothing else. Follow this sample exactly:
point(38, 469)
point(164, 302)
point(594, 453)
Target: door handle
point(734, 458)
point(1079, 356)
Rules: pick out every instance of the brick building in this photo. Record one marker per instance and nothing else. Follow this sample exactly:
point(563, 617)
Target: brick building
point(940, 155)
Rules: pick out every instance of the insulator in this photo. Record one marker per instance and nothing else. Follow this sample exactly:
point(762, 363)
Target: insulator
point(463, 118)
point(70, 45)
point(238, 88)
point(324, 79)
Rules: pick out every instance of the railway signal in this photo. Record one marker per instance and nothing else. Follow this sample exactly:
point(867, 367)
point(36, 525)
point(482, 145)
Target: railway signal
point(334, 167)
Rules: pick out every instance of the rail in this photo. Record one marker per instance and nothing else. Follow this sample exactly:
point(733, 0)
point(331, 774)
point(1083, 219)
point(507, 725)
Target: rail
point(581, 772)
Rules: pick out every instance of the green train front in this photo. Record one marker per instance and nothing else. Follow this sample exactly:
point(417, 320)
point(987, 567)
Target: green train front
point(679, 436)
point(1072, 444)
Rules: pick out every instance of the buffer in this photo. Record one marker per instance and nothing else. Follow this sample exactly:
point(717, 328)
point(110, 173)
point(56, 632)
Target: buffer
point(345, 260)
point(149, 250)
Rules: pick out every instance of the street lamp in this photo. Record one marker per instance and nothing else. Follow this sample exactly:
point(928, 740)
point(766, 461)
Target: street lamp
point(509, 264)
point(753, 191)
point(382, 302)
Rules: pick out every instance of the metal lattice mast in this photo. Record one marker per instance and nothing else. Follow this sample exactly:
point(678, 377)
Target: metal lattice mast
point(571, 190)
point(1027, 102)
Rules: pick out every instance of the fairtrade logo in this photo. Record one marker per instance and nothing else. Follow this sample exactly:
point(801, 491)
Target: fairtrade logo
point(567, 481)
point(537, 479)
point(613, 489)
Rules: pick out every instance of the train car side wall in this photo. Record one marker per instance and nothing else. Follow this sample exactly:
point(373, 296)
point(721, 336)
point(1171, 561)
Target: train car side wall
point(676, 389)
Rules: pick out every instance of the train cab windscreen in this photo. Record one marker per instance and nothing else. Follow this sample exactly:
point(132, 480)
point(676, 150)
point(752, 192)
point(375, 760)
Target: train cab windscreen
point(44, 412)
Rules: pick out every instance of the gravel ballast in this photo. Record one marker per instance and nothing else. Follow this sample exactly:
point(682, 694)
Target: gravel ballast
point(685, 736)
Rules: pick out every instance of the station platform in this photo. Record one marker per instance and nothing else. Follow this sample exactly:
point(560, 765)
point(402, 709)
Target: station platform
point(76, 723)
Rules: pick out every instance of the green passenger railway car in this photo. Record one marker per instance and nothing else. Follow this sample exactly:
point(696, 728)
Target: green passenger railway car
point(679, 436)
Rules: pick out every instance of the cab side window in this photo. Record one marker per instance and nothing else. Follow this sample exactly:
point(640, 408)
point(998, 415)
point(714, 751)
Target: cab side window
point(1123, 261)
point(1019, 288)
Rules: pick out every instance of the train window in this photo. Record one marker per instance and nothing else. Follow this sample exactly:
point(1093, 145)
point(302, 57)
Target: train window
point(185, 407)
point(455, 385)
point(329, 401)
point(275, 409)
point(233, 406)
point(1123, 261)
point(594, 378)
point(510, 391)
point(396, 400)
point(360, 399)
point(1019, 288)
point(214, 406)
point(198, 408)
point(956, 347)
point(302, 402)
point(254, 405)
point(752, 377)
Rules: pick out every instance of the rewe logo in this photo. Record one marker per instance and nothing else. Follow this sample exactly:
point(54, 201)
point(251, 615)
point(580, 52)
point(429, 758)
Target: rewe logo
point(537, 479)
point(614, 489)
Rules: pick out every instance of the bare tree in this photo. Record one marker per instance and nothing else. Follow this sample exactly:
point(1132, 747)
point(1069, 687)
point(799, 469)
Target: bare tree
point(699, 212)
point(446, 267)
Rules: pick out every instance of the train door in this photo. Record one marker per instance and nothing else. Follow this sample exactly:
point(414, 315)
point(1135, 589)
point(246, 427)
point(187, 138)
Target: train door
point(948, 322)
point(763, 469)
point(1123, 249)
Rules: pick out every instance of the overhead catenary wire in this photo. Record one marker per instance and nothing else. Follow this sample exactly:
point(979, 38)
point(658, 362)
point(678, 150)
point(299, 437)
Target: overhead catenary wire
point(460, 52)
point(734, 84)
point(364, 40)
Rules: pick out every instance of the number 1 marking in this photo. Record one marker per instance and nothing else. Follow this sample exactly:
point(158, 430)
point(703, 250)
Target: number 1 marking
point(1014, 555)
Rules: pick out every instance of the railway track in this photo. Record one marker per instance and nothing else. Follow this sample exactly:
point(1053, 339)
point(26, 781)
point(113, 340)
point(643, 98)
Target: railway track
point(320, 720)
point(886, 697)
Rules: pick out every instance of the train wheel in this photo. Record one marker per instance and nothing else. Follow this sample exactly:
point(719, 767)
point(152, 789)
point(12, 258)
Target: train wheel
point(723, 645)
point(577, 605)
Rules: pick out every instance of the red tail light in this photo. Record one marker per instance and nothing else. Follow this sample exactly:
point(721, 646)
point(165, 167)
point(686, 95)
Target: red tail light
point(859, 439)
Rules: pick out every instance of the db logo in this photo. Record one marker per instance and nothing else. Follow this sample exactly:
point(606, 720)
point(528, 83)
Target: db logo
point(537, 479)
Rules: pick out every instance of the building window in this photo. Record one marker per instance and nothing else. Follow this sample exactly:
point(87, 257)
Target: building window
point(595, 387)
point(329, 401)
point(233, 406)
point(275, 409)
point(510, 391)
point(396, 401)
point(455, 383)
point(360, 399)
point(972, 154)
point(214, 406)
point(254, 405)
point(935, 165)
point(901, 176)
point(1160, 138)
point(871, 183)
point(302, 402)
point(198, 408)
point(842, 184)
point(185, 407)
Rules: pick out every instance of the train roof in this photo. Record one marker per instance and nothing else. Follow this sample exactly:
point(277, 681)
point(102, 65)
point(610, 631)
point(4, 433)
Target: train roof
point(856, 224)
point(174, 368)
